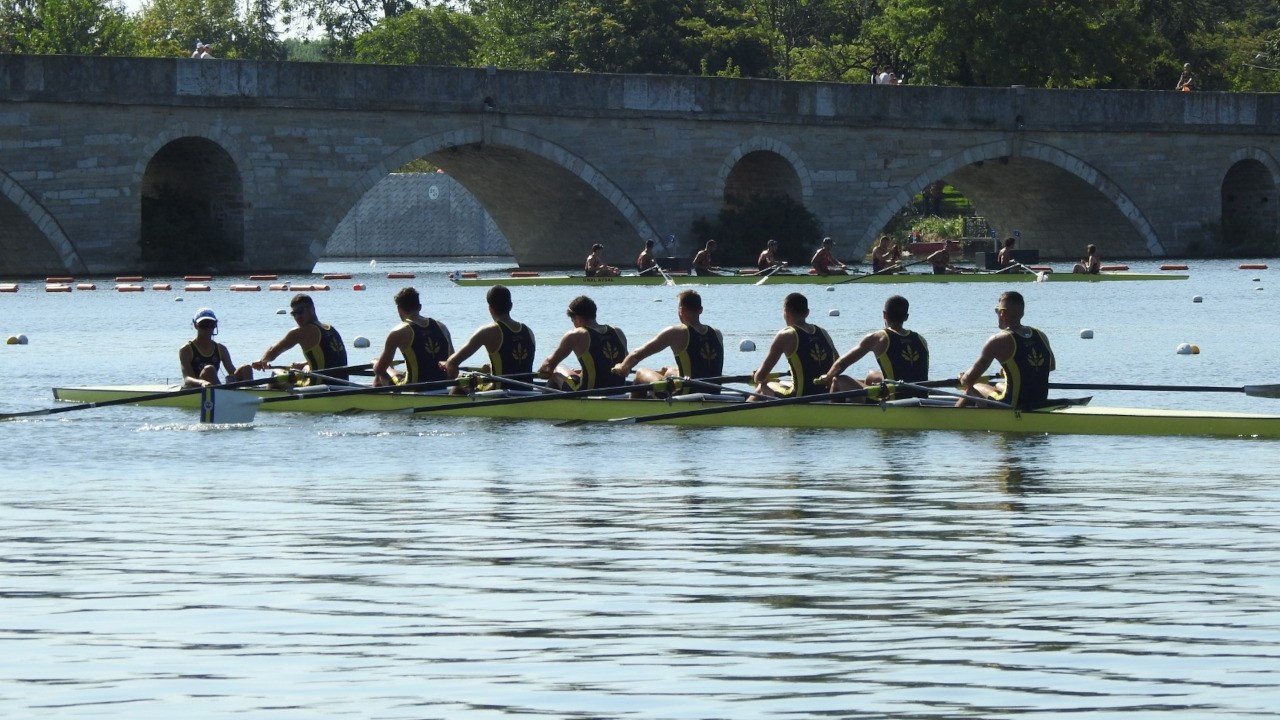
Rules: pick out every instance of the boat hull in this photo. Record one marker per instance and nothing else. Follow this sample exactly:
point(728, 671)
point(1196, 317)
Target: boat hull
point(776, 279)
point(1081, 420)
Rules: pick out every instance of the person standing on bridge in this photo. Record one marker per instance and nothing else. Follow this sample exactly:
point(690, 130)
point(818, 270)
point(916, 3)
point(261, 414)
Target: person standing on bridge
point(1186, 79)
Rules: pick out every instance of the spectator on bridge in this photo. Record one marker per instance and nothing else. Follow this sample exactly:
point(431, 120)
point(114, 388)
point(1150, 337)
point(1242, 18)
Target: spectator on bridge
point(202, 51)
point(1185, 81)
point(595, 265)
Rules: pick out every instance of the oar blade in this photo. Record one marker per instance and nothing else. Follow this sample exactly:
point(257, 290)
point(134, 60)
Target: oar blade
point(1266, 391)
point(228, 407)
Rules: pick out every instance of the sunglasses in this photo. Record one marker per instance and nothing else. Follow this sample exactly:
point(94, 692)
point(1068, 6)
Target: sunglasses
point(296, 312)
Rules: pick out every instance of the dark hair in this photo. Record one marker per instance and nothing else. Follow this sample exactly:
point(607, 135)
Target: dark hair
point(796, 303)
point(499, 298)
point(1012, 302)
point(1009, 241)
point(597, 246)
point(648, 243)
point(583, 307)
point(828, 241)
point(407, 299)
point(690, 300)
point(302, 299)
point(1091, 248)
point(895, 309)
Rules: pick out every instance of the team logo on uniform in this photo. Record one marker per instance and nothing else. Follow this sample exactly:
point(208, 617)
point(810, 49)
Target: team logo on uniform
point(817, 353)
point(433, 347)
point(519, 352)
point(708, 352)
point(610, 351)
point(910, 354)
point(1036, 359)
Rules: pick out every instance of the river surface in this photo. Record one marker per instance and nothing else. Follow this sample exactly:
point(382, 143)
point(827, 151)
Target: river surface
point(383, 566)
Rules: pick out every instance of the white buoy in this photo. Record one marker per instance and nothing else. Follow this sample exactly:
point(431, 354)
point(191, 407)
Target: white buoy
point(833, 313)
point(1188, 349)
point(1086, 334)
point(747, 346)
point(1196, 298)
point(360, 342)
point(373, 263)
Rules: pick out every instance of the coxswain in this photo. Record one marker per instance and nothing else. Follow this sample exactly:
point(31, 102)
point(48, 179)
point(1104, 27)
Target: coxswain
point(320, 343)
point(807, 348)
point(824, 258)
point(698, 348)
point(202, 357)
point(423, 342)
point(901, 354)
point(510, 344)
point(1024, 355)
point(1091, 264)
point(598, 348)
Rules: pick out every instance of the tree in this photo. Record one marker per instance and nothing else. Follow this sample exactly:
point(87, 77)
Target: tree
point(435, 36)
point(170, 28)
point(65, 27)
point(344, 20)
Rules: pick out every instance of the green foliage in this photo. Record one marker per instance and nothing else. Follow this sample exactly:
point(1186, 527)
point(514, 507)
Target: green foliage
point(168, 28)
point(421, 37)
point(935, 229)
point(744, 226)
point(65, 27)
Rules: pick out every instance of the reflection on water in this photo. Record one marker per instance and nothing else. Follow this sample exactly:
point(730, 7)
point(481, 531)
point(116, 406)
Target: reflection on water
point(386, 566)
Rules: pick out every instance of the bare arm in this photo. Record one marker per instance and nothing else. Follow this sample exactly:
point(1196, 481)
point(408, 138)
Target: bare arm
point(486, 337)
point(783, 343)
point(871, 343)
point(665, 339)
point(184, 357)
point(998, 346)
point(395, 340)
point(568, 344)
point(291, 338)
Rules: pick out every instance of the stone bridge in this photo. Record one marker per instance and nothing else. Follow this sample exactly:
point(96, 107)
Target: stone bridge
point(272, 156)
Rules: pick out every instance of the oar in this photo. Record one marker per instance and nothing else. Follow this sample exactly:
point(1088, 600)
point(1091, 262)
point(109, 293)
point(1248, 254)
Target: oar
point(772, 270)
point(364, 390)
point(1266, 391)
point(134, 399)
point(593, 392)
point(884, 271)
point(666, 279)
point(1040, 276)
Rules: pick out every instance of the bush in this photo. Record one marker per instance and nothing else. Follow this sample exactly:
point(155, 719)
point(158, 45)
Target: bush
point(743, 227)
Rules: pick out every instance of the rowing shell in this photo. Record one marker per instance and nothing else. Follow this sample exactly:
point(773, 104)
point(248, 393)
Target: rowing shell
point(909, 415)
point(779, 279)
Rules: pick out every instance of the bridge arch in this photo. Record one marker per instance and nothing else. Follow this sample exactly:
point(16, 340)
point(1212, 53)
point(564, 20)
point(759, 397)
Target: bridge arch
point(31, 238)
point(764, 163)
point(541, 196)
point(192, 186)
point(1250, 216)
point(1055, 225)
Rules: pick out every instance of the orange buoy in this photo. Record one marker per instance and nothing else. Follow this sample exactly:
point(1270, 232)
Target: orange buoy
point(525, 273)
point(129, 278)
point(1173, 267)
point(57, 287)
point(310, 288)
point(1114, 268)
point(470, 274)
point(59, 280)
point(358, 287)
point(245, 288)
point(1253, 266)
point(262, 277)
point(337, 276)
point(8, 287)
point(86, 286)
point(400, 276)
point(197, 287)
point(129, 287)
point(162, 286)
point(197, 278)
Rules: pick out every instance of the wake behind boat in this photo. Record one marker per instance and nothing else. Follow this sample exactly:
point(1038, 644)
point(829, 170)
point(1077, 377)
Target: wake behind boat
point(531, 278)
point(912, 415)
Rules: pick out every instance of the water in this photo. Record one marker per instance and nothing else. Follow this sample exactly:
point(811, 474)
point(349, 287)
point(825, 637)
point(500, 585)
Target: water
point(394, 567)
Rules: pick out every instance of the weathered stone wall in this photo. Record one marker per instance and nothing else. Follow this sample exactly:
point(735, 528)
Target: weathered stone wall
point(564, 160)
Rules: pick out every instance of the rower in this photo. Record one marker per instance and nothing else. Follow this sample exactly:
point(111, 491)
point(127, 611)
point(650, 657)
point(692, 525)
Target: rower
point(885, 255)
point(321, 344)
point(1005, 259)
point(645, 262)
point(1024, 355)
point(901, 354)
point(807, 348)
point(1092, 262)
point(698, 349)
point(510, 344)
point(202, 357)
point(768, 260)
point(595, 265)
point(597, 347)
point(424, 342)
point(702, 263)
point(824, 258)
